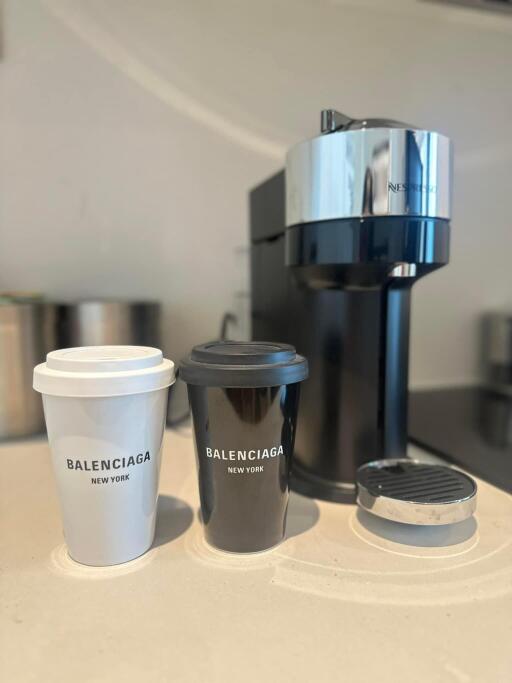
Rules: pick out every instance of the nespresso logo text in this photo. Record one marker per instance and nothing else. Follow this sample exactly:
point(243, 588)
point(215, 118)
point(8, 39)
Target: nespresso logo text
point(102, 465)
point(259, 454)
point(411, 187)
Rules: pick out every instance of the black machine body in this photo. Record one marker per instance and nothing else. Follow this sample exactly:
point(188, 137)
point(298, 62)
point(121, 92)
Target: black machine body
point(337, 241)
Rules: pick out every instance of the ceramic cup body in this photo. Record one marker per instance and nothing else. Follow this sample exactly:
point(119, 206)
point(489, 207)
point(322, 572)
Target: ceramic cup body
point(244, 444)
point(106, 454)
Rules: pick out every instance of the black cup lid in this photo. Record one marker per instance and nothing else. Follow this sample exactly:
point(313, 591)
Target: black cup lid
point(243, 364)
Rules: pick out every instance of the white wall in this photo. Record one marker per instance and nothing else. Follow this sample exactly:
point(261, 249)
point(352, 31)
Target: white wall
point(131, 132)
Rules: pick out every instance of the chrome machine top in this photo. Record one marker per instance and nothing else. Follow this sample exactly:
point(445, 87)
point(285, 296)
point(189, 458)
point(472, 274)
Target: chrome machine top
point(365, 168)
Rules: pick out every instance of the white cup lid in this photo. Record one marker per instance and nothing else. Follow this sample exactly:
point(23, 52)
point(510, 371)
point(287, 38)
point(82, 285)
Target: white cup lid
point(103, 371)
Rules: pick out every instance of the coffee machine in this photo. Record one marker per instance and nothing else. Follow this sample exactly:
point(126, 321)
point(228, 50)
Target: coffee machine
point(337, 240)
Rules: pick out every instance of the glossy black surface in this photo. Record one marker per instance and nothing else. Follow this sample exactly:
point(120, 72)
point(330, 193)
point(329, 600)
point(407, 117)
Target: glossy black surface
point(359, 252)
point(470, 426)
point(244, 507)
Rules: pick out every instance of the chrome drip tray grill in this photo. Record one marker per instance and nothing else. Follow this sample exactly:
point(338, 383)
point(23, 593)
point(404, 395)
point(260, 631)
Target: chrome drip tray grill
point(412, 492)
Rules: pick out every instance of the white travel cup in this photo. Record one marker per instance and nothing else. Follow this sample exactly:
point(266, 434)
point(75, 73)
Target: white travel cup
point(105, 410)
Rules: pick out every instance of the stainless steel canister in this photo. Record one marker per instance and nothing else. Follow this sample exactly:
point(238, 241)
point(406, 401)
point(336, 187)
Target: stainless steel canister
point(105, 322)
point(26, 335)
point(497, 350)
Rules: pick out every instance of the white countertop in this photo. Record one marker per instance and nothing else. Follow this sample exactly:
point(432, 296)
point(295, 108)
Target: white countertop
point(344, 598)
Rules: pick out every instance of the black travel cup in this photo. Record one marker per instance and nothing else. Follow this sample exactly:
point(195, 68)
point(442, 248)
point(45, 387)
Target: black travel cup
point(244, 398)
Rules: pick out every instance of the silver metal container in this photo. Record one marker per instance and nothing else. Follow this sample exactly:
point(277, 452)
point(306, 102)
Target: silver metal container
point(103, 322)
point(497, 350)
point(26, 335)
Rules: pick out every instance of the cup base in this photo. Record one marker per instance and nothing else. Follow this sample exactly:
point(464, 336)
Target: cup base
point(248, 553)
point(111, 563)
